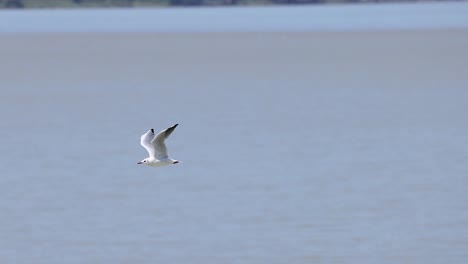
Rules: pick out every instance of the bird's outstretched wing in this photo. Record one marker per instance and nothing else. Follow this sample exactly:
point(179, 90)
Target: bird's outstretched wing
point(146, 142)
point(158, 142)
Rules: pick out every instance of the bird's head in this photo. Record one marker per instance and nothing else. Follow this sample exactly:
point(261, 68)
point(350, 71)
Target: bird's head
point(145, 161)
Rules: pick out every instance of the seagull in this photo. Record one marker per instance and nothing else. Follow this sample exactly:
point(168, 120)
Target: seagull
point(157, 148)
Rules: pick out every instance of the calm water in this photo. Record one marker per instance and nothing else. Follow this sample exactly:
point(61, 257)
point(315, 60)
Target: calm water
point(296, 148)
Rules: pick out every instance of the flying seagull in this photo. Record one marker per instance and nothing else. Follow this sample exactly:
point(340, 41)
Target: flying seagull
point(157, 148)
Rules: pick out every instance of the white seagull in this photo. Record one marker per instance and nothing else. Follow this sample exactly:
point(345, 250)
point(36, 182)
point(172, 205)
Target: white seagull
point(157, 148)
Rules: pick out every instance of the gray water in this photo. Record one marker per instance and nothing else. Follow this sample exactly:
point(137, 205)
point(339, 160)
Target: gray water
point(296, 147)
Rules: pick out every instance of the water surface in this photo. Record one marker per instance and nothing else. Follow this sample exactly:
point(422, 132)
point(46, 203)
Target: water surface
point(296, 147)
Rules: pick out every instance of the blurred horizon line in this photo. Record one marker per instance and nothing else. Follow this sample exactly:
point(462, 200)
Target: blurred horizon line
point(71, 4)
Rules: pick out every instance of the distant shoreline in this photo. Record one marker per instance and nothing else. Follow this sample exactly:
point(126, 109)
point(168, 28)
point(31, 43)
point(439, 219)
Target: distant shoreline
point(32, 4)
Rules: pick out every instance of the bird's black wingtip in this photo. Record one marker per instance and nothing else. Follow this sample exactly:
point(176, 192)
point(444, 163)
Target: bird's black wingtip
point(152, 131)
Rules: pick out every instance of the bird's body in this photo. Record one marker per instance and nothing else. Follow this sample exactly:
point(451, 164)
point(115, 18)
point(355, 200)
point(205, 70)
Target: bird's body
point(156, 147)
point(154, 162)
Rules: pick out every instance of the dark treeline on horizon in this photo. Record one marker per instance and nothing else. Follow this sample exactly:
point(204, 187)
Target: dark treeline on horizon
point(141, 3)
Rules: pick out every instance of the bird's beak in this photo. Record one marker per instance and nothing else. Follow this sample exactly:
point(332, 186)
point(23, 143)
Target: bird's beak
point(139, 162)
